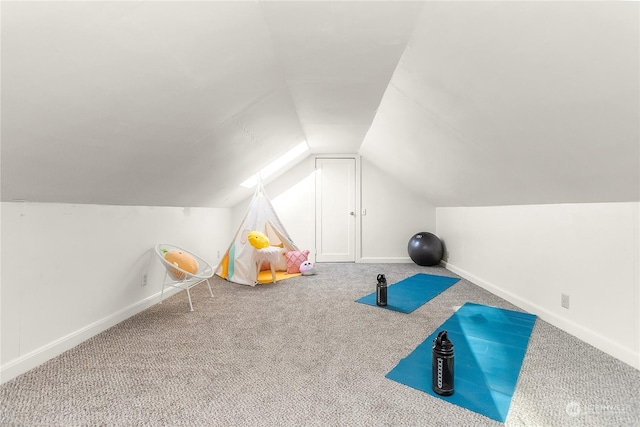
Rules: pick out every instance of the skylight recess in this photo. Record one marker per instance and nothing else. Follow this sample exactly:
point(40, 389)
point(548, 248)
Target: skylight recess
point(276, 165)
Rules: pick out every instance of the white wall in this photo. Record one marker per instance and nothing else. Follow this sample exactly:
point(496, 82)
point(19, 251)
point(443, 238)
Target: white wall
point(532, 254)
point(394, 213)
point(71, 271)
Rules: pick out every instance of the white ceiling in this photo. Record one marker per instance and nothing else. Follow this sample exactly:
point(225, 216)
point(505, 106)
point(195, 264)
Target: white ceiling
point(498, 103)
point(175, 103)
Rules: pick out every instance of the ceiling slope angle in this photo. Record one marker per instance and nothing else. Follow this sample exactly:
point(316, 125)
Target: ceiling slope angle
point(337, 58)
point(499, 103)
point(139, 103)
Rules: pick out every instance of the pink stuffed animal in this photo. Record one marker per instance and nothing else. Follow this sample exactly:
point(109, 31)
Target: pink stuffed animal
point(307, 268)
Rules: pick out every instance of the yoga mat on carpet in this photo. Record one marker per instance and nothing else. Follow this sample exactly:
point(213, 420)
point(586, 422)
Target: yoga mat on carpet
point(412, 292)
point(489, 346)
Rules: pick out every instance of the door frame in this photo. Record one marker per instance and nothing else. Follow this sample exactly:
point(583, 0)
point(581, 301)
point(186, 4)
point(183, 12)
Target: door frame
point(358, 203)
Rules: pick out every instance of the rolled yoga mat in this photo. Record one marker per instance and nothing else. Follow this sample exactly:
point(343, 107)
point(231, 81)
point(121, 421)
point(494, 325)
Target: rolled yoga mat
point(489, 346)
point(412, 292)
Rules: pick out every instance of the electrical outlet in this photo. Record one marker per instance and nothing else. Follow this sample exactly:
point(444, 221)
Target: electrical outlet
point(565, 301)
point(144, 280)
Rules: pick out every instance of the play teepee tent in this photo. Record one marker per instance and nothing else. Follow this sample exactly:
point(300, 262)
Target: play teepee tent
point(239, 262)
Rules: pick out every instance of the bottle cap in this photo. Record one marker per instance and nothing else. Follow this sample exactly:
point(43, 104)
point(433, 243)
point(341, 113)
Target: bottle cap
point(442, 341)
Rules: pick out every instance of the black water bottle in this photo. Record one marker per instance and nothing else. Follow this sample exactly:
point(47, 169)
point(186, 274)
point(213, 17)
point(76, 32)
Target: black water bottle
point(381, 291)
point(442, 365)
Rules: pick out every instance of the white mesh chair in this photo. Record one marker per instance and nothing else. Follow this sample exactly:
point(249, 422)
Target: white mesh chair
point(178, 278)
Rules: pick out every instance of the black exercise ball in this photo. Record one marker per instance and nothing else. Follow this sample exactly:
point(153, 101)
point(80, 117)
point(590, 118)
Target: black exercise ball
point(425, 249)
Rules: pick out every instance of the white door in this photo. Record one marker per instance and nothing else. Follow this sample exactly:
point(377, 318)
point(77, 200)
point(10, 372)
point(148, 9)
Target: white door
point(335, 210)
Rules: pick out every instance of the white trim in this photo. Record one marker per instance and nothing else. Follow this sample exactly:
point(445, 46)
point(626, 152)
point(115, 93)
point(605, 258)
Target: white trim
point(384, 260)
point(636, 276)
point(40, 355)
point(358, 202)
point(358, 234)
point(612, 348)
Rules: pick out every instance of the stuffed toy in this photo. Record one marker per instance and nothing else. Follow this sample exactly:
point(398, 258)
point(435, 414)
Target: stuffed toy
point(307, 268)
point(183, 261)
point(258, 240)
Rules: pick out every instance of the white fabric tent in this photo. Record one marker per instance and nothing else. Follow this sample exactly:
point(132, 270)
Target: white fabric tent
point(238, 264)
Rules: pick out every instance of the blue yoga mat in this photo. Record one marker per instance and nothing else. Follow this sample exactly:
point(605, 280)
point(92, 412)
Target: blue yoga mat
point(489, 347)
point(412, 292)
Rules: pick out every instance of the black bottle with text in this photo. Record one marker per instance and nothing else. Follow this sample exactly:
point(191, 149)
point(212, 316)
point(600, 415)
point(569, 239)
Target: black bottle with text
point(442, 365)
point(381, 291)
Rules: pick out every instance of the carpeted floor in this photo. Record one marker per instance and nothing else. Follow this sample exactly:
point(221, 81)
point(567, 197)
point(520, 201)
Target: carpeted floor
point(302, 352)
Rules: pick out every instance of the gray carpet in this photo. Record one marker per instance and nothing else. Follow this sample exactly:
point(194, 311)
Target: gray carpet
point(301, 352)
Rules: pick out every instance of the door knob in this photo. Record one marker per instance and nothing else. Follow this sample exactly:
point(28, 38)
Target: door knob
point(352, 213)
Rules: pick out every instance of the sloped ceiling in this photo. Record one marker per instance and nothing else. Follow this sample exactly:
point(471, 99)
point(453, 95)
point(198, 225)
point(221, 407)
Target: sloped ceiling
point(498, 103)
point(176, 103)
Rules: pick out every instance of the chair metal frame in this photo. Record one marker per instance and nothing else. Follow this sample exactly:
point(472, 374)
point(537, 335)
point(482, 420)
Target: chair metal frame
point(188, 280)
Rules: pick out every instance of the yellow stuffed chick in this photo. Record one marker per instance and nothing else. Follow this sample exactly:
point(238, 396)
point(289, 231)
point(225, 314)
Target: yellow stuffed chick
point(258, 240)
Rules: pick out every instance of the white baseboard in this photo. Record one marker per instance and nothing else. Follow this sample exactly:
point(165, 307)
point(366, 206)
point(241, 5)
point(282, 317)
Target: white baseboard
point(38, 356)
point(612, 348)
point(385, 260)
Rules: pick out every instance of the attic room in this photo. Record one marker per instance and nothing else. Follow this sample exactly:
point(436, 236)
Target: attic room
point(511, 130)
